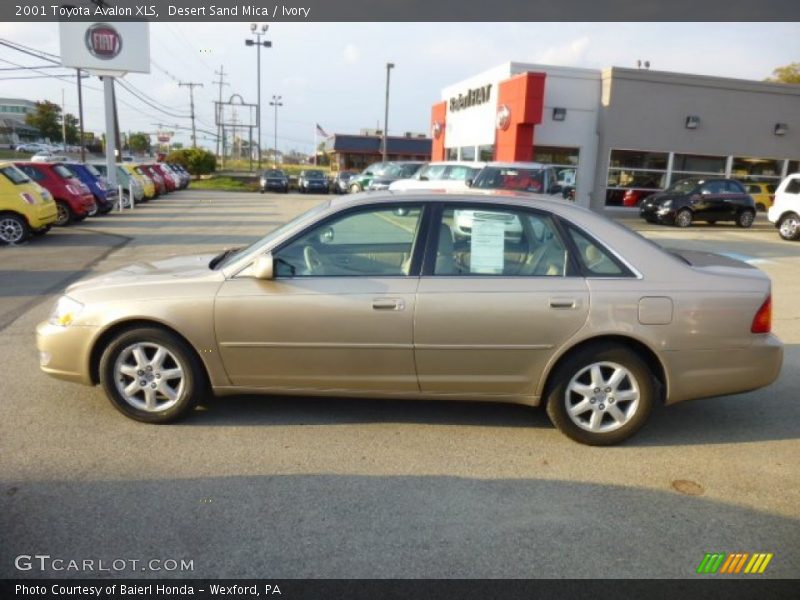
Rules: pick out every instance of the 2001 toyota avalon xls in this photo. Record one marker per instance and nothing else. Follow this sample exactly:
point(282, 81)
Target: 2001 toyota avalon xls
point(372, 295)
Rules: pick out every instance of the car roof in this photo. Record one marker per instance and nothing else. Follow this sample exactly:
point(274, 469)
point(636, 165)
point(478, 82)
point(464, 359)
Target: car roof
point(518, 165)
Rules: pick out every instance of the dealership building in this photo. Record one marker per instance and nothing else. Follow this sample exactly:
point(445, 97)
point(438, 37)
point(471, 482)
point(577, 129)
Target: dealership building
point(620, 134)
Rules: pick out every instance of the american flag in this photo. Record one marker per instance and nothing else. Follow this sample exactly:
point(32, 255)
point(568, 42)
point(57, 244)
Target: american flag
point(321, 131)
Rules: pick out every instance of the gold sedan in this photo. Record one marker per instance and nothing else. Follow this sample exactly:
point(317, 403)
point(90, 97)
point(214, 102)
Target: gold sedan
point(486, 297)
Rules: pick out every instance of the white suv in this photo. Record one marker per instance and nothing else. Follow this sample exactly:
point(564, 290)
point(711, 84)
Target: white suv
point(445, 175)
point(785, 211)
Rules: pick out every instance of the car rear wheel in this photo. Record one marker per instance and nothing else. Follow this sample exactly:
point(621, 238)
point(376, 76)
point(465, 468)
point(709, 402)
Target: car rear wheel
point(760, 207)
point(65, 214)
point(601, 395)
point(151, 375)
point(789, 228)
point(354, 189)
point(683, 218)
point(13, 229)
point(745, 218)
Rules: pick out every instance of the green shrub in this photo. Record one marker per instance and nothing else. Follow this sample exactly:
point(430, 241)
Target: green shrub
point(196, 160)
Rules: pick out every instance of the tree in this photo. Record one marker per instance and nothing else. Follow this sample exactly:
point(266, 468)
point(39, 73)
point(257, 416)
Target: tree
point(197, 161)
point(71, 126)
point(139, 142)
point(46, 117)
point(788, 74)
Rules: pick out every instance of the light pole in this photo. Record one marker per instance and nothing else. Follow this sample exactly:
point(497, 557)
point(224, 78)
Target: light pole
point(276, 102)
point(389, 67)
point(258, 43)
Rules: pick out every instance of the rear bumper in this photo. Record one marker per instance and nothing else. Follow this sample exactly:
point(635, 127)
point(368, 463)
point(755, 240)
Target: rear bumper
point(44, 215)
point(694, 374)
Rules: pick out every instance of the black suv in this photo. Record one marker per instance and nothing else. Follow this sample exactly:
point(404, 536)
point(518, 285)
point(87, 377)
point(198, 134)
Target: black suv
point(700, 199)
point(274, 179)
point(312, 181)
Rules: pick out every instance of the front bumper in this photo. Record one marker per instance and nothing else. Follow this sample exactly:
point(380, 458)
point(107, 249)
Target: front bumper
point(654, 211)
point(275, 185)
point(696, 374)
point(64, 351)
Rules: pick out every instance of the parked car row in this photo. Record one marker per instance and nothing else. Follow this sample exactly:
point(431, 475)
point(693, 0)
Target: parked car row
point(34, 196)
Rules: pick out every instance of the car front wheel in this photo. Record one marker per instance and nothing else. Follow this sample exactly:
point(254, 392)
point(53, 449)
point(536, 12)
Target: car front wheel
point(151, 375)
point(601, 395)
point(65, 214)
point(13, 229)
point(683, 218)
point(789, 228)
point(745, 218)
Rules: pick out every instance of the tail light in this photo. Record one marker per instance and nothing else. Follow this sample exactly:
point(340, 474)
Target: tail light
point(74, 189)
point(762, 322)
point(28, 198)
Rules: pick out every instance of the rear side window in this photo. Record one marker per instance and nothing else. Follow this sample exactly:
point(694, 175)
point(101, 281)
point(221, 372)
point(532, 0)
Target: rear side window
point(14, 175)
point(793, 187)
point(63, 172)
point(597, 260)
point(734, 187)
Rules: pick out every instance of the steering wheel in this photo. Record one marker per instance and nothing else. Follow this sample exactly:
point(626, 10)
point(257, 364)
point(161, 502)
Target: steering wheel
point(313, 260)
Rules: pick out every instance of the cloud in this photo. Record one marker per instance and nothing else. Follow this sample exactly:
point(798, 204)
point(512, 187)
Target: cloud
point(351, 53)
point(572, 54)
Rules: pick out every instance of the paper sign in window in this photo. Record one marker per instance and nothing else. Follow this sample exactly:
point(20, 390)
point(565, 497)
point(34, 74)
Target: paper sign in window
point(487, 246)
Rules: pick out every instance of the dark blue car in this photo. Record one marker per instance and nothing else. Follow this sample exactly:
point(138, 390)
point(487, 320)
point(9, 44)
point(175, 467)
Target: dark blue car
point(105, 198)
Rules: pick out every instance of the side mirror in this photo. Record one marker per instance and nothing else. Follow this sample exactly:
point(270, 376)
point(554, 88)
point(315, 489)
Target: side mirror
point(326, 237)
point(264, 267)
point(469, 182)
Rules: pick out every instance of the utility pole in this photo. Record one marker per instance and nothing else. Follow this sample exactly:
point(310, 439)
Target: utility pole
point(276, 102)
point(221, 82)
point(389, 67)
point(116, 120)
point(80, 116)
point(266, 44)
point(191, 87)
point(63, 122)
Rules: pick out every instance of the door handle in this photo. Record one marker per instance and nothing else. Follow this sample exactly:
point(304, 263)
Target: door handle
point(564, 303)
point(388, 304)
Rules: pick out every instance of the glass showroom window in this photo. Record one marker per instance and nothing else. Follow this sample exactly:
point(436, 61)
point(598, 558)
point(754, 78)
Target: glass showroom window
point(468, 153)
point(451, 154)
point(793, 167)
point(693, 165)
point(766, 170)
point(565, 161)
point(486, 153)
point(634, 175)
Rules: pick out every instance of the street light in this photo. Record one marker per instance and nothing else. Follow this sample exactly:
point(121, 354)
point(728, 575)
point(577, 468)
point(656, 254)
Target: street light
point(389, 67)
point(276, 102)
point(258, 43)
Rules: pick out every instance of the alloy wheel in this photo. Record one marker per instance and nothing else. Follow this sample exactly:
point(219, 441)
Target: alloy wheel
point(790, 228)
point(63, 214)
point(149, 377)
point(602, 397)
point(11, 230)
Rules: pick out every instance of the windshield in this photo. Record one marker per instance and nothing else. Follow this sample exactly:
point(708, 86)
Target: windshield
point(14, 175)
point(684, 186)
point(314, 175)
point(511, 178)
point(274, 173)
point(272, 235)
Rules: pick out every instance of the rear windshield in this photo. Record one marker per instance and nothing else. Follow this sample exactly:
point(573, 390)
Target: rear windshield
point(14, 175)
point(93, 170)
point(63, 172)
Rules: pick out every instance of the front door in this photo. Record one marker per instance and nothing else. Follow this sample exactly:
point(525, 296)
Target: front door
point(337, 317)
point(500, 299)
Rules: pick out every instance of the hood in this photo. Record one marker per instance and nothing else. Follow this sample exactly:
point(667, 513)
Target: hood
point(170, 270)
point(661, 197)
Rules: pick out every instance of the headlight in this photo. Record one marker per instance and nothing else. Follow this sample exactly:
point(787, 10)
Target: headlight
point(65, 311)
point(666, 204)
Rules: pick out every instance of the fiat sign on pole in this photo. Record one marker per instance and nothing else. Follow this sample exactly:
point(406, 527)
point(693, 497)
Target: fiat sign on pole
point(107, 50)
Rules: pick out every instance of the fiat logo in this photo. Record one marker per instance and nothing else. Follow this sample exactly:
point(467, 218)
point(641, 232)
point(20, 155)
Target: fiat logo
point(103, 41)
point(437, 129)
point(503, 117)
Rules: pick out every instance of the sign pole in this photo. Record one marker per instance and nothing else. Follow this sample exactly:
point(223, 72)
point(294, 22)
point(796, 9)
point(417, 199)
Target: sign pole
point(111, 163)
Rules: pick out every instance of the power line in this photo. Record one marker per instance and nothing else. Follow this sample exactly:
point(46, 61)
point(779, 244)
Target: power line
point(135, 94)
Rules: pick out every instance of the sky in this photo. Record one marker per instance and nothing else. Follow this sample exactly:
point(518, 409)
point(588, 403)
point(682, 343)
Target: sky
point(333, 74)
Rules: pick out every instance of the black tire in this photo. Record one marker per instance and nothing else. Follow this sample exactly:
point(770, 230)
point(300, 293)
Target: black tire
point(261, 191)
point(557, 398)
point(79, 218)
point(683, 218)
point(760, 207)
point(14, 229)
point(789, 227)
point(65, 214)
point(195, 385)
point(745, 219)
point(41, 231)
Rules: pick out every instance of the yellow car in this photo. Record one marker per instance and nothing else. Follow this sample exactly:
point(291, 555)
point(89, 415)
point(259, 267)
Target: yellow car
point(147, 183)
point(762, 193)
point(25, 207)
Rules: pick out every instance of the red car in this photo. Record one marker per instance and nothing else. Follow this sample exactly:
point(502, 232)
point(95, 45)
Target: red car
point(158, 180)
point(167, 177)
point(74, 199)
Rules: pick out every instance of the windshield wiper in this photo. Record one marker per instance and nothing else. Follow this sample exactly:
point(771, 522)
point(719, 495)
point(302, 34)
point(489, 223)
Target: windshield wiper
point(222, 256)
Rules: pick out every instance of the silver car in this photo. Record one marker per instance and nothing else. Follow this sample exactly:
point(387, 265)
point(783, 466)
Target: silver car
point(373, 295)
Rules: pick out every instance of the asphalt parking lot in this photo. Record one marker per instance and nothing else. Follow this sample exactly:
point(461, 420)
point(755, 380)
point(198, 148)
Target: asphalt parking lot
point(296, 487)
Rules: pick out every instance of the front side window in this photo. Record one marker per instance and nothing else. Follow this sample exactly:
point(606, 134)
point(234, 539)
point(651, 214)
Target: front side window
point(500, 242)
point(431, 172)
point(63, 172)
point(377, 242)
point(511, 178)
point(14, 175)
point(460, 173)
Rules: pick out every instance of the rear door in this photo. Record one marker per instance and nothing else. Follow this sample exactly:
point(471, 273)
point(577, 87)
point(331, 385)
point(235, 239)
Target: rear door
point(495, 302)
